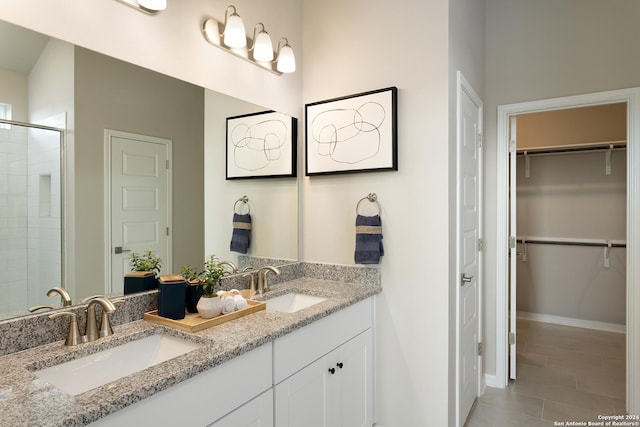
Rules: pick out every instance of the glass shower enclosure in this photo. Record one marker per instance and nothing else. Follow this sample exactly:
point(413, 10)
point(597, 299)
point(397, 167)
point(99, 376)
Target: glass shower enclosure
point(31, 214)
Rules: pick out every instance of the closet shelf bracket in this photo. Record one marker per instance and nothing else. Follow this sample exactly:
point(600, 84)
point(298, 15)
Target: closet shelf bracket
point(607, 154)
point(607, 251)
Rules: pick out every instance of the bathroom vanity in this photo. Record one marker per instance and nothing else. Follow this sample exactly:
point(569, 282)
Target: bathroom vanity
point(313, 366)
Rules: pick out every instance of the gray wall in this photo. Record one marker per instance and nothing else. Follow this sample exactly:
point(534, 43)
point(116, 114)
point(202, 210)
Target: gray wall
point(111, 94)
point(542, 49)
point(570, 196)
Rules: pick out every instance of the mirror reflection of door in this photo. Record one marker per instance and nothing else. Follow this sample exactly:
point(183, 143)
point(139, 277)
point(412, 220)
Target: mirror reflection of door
point(139, 183)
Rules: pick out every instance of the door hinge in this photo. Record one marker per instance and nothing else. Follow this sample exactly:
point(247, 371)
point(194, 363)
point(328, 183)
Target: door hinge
point(512, 242)
point(167, 231)
point(512, 338)
point(480, 245)
point(167, 164)
point(480, 139)
point(480, 349)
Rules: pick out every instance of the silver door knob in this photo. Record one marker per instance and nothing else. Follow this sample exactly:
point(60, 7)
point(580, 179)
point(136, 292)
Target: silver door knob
point(464, 279)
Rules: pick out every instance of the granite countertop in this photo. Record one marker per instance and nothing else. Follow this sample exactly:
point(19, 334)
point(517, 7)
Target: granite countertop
point(26, 400)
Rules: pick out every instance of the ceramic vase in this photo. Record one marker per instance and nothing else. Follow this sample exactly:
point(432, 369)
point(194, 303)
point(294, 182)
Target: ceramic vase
point(209, 307)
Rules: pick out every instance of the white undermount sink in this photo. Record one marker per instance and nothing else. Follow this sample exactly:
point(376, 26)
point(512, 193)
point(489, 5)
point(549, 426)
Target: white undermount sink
point(292, 302)
point(89, 372)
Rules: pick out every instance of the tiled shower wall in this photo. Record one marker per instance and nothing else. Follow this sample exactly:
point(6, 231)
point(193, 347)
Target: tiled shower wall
point(13, 218)
point(30, 249)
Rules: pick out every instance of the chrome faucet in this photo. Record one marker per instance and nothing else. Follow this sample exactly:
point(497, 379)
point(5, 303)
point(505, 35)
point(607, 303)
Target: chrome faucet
point(64, 295)
point(234, 268)
point(92, 322)
point(263, 281)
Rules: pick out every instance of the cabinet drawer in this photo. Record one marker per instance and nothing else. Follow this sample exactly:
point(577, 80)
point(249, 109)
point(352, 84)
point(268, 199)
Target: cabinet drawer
point(204, 398)
point(300, 348)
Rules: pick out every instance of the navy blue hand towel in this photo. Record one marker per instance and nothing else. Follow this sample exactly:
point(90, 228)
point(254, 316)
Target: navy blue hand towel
point(241, 237)
point(368, 239)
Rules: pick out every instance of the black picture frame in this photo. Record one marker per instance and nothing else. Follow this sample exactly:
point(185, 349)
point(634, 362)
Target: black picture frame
point(355, 133)
point(261, 145)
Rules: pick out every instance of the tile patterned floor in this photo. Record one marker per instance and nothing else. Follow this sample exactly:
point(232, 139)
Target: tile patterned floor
point(563, 374)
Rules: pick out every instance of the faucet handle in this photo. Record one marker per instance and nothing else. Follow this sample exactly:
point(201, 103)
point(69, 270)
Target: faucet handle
point(39, 307)
point(74, 337)
point(105, 323)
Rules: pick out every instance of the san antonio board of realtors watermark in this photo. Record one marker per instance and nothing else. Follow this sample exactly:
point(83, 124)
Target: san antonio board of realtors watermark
point(603, 420)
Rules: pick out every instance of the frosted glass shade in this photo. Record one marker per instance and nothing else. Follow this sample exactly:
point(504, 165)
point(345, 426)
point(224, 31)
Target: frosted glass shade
point(262, 47)
point(286, 60)
point(234, 34)
point(153, 4)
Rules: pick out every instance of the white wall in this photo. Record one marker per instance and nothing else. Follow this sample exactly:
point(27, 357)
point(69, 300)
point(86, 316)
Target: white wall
point(273, 201)
point(172, 43)
point(363, 45)
point(13, 86)
point(543, 49)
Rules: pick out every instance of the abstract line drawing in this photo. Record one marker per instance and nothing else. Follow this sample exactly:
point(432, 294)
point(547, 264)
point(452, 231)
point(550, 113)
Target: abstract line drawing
point(261, 145)
point(352, 134)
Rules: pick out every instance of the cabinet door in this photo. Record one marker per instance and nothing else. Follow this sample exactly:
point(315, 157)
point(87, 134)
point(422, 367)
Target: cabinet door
point(256, 413)
point(301, 399)
point(355, 369)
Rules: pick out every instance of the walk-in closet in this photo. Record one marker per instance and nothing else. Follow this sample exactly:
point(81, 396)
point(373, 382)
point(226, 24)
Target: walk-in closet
point(570, 204)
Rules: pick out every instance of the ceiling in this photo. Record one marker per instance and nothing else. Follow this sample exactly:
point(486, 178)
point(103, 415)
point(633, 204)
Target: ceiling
point(19, 48)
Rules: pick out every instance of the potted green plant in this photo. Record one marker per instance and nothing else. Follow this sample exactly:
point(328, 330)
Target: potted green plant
point(194, 287)
point(210, 304)
point(144, 268)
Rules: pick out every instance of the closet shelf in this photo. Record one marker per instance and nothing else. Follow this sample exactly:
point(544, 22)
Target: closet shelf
point(572, 148)
point(573, 242)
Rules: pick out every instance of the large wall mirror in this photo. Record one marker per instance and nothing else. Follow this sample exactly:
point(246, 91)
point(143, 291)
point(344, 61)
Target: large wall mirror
point(105, 102)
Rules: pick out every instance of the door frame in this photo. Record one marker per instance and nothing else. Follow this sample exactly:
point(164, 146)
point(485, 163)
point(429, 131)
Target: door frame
point(632, 97)
point(462, 85)
point(108, 134)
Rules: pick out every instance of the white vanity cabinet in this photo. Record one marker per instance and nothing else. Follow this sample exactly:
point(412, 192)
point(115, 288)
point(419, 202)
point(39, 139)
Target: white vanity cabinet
point(318, 375)
point(205, 398)
point(323, 373)
point(256, 413)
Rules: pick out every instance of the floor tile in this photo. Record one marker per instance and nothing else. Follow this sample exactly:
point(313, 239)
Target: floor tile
point(564, 373)
point(555, 411)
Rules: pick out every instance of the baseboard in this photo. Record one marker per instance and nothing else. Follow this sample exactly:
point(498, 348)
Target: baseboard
point(491, 381)
point(568, 321)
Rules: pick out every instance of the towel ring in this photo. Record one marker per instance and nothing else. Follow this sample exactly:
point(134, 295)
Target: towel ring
point(245, 201)
point(372, 198)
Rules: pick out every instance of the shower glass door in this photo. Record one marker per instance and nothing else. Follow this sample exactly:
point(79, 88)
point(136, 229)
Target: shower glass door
point(31, 215)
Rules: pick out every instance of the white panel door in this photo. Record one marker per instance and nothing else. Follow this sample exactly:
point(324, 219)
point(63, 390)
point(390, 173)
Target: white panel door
point(140, 200)
point(301, 400)
point(469, 175)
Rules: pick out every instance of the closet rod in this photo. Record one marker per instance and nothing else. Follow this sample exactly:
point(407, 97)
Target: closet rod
point(572, 243)
point(568, 149)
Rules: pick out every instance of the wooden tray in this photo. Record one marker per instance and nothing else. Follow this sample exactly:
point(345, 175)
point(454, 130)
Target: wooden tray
point(192, 322)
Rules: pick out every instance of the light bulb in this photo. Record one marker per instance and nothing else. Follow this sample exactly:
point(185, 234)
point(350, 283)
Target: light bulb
point(262, 47)
point(286, 60)
point(234, 34)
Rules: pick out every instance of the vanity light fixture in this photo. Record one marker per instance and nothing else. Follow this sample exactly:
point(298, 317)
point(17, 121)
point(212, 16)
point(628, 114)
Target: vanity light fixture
point(150, 7)
point(232, 38)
